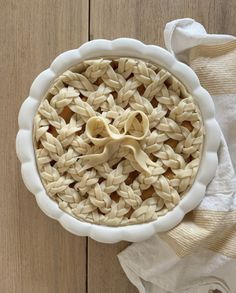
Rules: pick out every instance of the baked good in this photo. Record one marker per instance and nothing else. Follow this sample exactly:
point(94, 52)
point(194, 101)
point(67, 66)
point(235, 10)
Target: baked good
point(118, 141)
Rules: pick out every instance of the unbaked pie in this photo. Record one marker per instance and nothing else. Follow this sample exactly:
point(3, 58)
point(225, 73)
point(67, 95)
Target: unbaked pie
point(118, 141)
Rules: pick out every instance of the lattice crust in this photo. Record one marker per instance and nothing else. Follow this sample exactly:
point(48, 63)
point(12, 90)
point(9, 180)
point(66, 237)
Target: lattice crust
point(117, 141)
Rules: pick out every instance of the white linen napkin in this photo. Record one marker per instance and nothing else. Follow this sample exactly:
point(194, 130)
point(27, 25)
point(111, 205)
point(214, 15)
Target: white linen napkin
point(199, 255)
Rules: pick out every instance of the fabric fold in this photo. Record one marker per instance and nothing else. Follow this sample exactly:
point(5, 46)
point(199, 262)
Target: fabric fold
point(199, 254)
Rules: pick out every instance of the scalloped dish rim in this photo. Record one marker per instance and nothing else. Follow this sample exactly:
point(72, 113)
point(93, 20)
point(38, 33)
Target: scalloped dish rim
point(118, 47)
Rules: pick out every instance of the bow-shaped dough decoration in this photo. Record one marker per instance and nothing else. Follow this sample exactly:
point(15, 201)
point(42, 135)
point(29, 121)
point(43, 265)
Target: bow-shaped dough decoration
point(103, 134)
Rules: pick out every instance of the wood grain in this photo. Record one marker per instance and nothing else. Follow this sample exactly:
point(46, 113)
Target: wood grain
point(144, 20)
point(104, 271)
point(36, 253)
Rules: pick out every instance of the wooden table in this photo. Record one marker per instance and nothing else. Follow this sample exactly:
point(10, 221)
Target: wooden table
point(36, 253)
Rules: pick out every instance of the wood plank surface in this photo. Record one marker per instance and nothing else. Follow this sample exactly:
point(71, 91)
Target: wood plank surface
point(36, 253)
point(144, 20)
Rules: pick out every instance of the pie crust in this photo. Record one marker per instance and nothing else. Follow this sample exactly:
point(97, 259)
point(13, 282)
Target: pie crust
point(118, 141)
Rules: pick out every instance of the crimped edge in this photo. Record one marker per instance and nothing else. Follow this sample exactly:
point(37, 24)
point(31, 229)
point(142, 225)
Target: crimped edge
point(117, 47)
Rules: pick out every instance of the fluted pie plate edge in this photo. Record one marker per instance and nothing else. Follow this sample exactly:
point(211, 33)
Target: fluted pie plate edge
point(128, 48)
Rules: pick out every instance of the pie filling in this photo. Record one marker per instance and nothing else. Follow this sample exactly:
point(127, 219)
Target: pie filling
point(117, 141)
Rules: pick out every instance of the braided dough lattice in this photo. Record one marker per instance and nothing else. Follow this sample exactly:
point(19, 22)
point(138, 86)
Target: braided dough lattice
point(118, 141)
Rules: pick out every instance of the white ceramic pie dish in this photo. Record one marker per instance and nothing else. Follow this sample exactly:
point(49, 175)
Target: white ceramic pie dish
point(129, 48)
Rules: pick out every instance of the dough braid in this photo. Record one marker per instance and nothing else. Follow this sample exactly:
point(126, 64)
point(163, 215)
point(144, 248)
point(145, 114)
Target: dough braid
point(139, 156)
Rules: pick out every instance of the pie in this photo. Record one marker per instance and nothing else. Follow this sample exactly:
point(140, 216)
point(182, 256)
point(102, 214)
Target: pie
point(117, 141)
